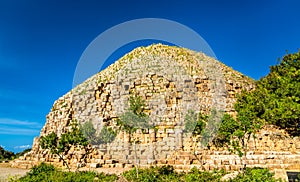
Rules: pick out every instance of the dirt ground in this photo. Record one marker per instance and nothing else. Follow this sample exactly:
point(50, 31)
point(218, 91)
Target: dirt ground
point(7, 172)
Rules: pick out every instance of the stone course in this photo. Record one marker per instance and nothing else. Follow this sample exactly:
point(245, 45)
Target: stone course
point(172, 81)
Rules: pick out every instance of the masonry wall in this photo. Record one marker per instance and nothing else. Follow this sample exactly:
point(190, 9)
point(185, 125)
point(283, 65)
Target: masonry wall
point(172, 81)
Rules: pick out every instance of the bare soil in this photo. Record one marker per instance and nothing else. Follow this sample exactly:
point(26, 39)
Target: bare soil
point(7, 172)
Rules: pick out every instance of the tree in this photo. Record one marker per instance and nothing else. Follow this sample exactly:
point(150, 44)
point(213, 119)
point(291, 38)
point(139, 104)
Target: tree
point(194, 124)
point(236, 133)
point(61, 146)
point(23, 152)
point(89, 132)
point(106, 135)
point(276, 99)
point(132, 120)
point(282, 88)
point(5, 154)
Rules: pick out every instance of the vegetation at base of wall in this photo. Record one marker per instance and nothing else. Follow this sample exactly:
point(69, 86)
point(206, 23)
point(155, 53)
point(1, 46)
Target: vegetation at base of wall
point(62, 145)
point(46, 172)
point(276, 100)
point(132, 120)
point(167, 174)
point(255, 174)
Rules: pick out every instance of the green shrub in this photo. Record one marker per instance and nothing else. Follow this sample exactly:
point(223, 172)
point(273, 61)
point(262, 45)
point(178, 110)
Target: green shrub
point(23, 152)
point(196, 175)
point(276, 99)
point(153, 174)
point(255, 174)
point(6, 155)
point(167, 173)
point(46, 173)
point(39, 173)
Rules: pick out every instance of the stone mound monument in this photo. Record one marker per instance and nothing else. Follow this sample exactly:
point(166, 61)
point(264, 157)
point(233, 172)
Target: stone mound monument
point(172, 81)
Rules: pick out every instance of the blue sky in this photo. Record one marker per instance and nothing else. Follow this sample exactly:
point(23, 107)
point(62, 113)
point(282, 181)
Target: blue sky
point(42, 41)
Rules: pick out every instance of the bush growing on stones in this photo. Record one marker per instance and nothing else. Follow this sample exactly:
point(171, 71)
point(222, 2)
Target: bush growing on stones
point(61, 146)
point(106, 135)
point(132, 120)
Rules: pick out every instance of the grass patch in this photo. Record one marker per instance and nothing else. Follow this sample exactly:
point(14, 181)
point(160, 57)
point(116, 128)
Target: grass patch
point(47, 172)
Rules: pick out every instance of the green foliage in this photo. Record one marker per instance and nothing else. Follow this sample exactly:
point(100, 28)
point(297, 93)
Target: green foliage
point(89, 132)
point(211, 127)
point(167, 173)
point(255, 174)
point(130, 122)
point(23, 152)
point(276, 99)
point(42, 168)
point(135, 118)
point(137, 106)
point(71, 138)
point(65, 142)
point(6, 155)
point(235, 133)
point(194, 123)
point(106, 135)
point(282, 85)
point(62, 145)
point(46, 172)
point(196, 175)
point(49, 142)
point(153, 174)
point(227, 128)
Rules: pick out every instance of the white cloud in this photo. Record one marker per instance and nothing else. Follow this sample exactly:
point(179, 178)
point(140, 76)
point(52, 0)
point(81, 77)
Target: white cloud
point(15, 122)
point(18, 131)
point(10, 126)
point(23, 146)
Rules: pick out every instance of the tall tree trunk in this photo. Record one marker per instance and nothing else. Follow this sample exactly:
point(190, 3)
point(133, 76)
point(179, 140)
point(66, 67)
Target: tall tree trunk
point(64, 162)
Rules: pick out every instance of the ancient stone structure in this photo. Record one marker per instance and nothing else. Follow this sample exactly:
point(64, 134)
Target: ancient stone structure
point(172, 81)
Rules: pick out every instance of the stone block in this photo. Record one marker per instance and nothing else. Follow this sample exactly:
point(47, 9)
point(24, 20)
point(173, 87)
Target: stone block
point(94, 165)
point(128, 166)
point(120, 165)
